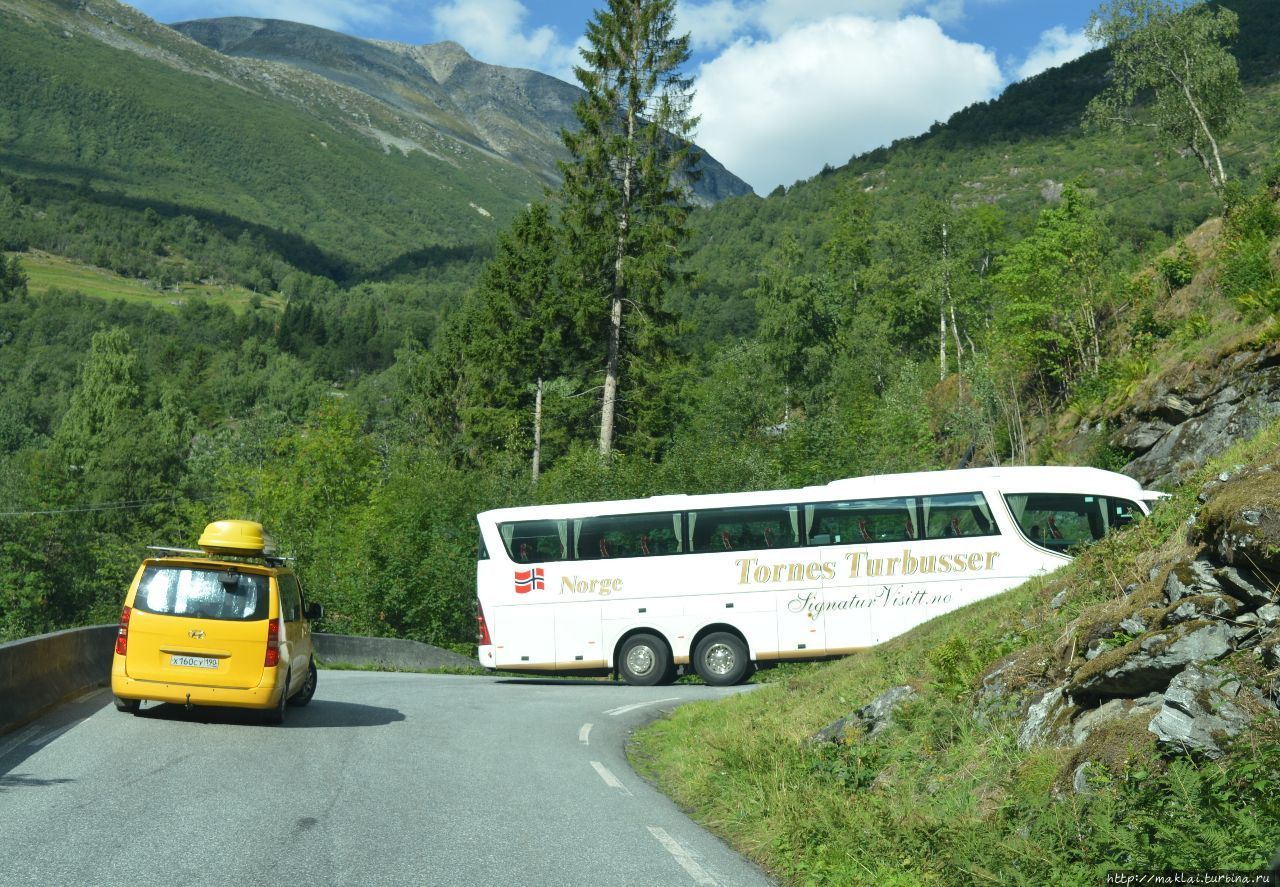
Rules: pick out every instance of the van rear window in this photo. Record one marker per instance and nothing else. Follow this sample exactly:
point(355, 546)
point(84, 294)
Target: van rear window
point(203, 594)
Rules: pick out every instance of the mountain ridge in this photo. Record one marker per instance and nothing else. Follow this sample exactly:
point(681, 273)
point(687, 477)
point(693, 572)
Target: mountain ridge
point(515, 113)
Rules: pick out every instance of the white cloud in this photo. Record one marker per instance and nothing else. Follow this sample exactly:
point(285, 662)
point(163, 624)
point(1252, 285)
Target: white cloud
point(775, 111)
point(1056, 47)
point(491, 30)
point(710, 25)
point(717, 23)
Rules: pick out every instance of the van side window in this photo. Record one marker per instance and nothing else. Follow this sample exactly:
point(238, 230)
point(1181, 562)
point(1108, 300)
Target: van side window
point(290, 598)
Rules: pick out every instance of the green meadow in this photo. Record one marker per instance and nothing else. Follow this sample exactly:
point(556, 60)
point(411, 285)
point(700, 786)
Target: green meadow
point(46, 273)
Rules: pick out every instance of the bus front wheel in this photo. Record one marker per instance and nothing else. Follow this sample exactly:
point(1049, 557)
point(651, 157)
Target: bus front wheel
point(721, 660)
point(644, 660)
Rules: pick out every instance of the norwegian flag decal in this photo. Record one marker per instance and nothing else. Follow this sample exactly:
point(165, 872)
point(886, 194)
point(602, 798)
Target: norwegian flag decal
point(529, 580)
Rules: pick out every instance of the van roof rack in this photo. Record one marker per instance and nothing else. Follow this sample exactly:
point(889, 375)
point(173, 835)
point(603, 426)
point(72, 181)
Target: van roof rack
point(271, 560)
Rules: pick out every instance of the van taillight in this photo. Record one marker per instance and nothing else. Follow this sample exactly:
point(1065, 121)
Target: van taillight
point(273, 644)
point(122, 636)
point(483, 627)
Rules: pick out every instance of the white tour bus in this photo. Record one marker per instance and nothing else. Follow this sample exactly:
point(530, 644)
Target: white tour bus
point(722, 581)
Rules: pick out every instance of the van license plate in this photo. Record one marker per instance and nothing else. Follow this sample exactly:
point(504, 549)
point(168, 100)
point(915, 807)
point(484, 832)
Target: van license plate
point(194, 661)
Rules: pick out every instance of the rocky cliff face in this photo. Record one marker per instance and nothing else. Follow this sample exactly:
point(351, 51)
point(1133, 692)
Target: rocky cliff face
point(1180, 423)
point(513, 113)
point(1188, 660)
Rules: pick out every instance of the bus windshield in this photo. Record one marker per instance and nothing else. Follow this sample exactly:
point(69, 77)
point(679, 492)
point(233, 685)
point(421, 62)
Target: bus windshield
point(1064, 521)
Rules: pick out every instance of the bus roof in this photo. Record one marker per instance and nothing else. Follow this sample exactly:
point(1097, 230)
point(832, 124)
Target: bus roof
point(1008, 479)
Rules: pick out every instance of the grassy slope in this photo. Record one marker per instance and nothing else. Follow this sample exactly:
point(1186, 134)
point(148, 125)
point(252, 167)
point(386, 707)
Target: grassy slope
point(1002, 152)
point(46, 272)
point(74, 109)
point(947, 797)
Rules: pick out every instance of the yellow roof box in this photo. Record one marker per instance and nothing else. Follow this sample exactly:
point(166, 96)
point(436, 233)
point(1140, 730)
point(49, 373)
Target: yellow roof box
point(236, 537)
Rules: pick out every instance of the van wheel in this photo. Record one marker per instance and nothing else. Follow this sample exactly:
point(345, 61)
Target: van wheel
point(721, 659)
point(643, 660)
point(303, 696)
point(131, 706)
point(276, 714)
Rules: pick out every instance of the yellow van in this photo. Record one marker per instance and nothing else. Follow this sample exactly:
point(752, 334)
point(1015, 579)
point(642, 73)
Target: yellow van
point(226, 625)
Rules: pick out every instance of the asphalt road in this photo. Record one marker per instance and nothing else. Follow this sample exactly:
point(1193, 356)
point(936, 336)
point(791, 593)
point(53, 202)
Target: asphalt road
point(385, 779)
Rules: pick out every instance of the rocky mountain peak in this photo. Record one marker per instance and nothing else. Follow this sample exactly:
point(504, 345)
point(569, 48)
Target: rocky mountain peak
point(440, 59)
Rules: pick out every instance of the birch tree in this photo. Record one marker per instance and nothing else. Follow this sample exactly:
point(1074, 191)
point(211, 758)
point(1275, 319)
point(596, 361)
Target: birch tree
point(1175, 53)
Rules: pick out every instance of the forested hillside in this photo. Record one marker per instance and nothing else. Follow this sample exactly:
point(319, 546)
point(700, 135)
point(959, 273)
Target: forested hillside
point(987, 288)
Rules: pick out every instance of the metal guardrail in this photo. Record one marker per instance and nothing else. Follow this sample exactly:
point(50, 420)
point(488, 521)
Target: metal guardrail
point(42, 672)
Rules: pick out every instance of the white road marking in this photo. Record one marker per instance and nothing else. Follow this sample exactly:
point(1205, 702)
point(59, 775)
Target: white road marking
point(623, 709)
point(18, 740)
point(584, 735)
point(44, 740)
point(609, 779)
point(682, 856)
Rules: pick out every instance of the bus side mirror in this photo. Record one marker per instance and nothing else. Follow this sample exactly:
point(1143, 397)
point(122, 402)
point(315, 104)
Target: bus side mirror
point(314, 612)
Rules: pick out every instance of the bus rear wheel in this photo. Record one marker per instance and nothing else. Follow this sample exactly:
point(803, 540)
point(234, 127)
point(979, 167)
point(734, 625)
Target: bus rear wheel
point(721, 660)
point(644, 660)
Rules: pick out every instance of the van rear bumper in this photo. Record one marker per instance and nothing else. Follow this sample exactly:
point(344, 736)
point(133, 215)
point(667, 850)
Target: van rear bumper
point(265, 695)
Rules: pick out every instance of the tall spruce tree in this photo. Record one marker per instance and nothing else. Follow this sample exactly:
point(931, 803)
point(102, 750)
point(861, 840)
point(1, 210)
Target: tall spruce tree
point(625, 197)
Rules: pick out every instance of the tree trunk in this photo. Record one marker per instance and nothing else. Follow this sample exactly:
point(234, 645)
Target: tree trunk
point(942, 342)
point(537, 433)
point(610, 400)
point(609, 406)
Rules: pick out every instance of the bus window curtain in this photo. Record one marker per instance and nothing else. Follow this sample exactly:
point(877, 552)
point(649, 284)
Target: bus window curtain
point(508, 532)
point(794, 513)
point(1018, 505)
point(981, 502)
point(676, 524)
point(562, 530)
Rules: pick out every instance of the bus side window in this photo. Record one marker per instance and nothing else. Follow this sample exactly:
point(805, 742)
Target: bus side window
point(957, 514)
point(745, 529)
point(530, 542)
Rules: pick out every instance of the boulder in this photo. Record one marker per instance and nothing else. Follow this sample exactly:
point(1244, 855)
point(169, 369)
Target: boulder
point(872, 719)
point(1095, 719)
point(1213, 605)
point(1048, 721)
point(877, 715)
point(1190, 578)
point(1245, 584)
point(1202, 708)
point(1268, 617)
point(1147, 664)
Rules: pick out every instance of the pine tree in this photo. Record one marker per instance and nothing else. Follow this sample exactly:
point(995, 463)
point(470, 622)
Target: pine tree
point(625, 188)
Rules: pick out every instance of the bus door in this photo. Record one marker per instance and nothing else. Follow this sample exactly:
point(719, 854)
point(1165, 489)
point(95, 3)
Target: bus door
point(870, 543)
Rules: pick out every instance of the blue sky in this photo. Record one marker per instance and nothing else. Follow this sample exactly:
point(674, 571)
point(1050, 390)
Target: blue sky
point(782, 86)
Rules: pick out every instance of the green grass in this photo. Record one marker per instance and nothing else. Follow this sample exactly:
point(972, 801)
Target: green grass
point(47, 272)
point(946, 796)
